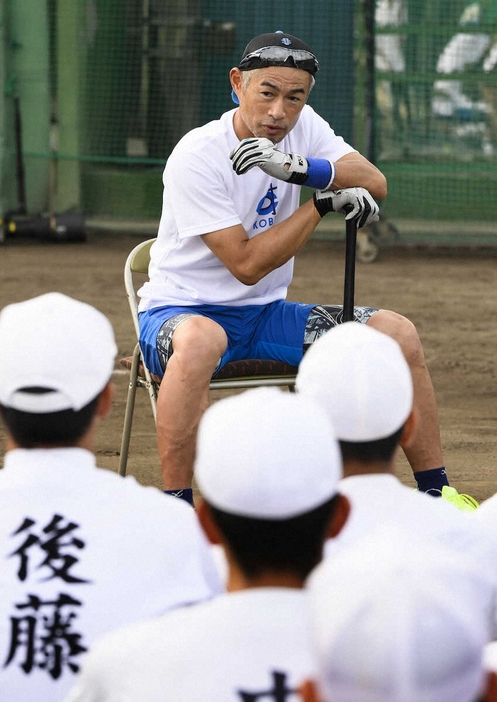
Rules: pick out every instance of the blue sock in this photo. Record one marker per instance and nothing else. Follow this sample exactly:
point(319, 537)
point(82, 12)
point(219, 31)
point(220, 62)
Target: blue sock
point(185, 494)
point(431, 481)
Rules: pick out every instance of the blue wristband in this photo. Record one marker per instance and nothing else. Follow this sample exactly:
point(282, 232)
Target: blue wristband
point(320, 173)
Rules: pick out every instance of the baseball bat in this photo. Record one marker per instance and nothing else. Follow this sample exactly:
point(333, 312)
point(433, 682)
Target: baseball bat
point(349, 278)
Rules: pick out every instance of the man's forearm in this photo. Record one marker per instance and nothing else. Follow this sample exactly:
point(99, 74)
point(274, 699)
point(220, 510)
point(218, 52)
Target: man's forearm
point(274, 247)
point(351, 172)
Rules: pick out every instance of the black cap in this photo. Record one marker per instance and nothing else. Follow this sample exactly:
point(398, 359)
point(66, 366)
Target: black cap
point(282, 40)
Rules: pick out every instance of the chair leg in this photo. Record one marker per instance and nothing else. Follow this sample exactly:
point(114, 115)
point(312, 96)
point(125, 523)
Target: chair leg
point(128, 415)
point(152, 392)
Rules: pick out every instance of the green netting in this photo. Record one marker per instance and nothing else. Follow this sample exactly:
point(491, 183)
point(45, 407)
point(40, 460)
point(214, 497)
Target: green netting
point(411, 83)
point(436, 107)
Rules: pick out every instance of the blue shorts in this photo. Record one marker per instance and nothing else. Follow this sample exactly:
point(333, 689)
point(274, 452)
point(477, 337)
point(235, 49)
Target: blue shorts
point(276, 331)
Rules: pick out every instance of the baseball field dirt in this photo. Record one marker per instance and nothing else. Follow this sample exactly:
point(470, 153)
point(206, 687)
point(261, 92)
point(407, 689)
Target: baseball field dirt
point(448, 293)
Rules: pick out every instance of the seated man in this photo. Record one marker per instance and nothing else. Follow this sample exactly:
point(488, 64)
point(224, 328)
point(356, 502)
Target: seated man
point(82, 549)
point(223, 260)
point(268, 467)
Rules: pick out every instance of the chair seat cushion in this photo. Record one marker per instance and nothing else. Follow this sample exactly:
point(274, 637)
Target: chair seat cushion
point(248, 368)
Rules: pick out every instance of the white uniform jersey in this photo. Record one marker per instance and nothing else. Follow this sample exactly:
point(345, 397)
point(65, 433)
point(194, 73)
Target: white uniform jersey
point(203, 194)
point(381, 499)
point(486, 514)
point(84, 551)
point(241, 647)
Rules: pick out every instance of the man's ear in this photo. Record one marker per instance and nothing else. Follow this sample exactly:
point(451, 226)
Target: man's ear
point(236, 81)
point(409, 430)
point(339, 516)
point(308, 692)
point(105, 401)
point(207, 523)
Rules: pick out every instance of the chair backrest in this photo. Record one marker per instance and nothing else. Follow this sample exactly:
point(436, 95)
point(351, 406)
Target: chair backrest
point(137, 262)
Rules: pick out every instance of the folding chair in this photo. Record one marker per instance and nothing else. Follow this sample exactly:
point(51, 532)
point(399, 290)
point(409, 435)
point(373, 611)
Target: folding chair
point(235, 375)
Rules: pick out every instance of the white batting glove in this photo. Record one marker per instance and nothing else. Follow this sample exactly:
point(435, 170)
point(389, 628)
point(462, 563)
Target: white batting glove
point(262, 152)
point(353, 202)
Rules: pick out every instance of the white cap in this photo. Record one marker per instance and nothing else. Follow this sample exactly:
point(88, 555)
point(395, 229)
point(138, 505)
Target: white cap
point(490, 657)
point(57, 343)
point(361, 378)
point(267, 454)
point(396, 618)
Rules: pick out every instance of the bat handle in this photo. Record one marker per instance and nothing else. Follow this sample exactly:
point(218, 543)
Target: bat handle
point(349, 278)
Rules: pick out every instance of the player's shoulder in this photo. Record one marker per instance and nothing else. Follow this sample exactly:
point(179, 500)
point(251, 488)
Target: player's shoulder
point(131, 641)
point(206, 136)
point(129, 493)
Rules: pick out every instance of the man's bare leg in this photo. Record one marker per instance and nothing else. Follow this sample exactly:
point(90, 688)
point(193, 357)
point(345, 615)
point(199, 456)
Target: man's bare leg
point(198, 343)
point(425, 453)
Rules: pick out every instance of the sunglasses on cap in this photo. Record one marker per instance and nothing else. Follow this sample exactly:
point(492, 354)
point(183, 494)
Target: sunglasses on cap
point(278, 56)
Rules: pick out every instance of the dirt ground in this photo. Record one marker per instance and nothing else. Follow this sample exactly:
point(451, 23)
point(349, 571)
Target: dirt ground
point(449, 294)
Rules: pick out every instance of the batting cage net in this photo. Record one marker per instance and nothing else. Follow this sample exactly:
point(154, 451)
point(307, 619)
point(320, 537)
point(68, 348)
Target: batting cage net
point(106, 88)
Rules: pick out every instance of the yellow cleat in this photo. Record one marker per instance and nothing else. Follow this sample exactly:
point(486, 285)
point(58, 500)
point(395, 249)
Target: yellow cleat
point(464, 502)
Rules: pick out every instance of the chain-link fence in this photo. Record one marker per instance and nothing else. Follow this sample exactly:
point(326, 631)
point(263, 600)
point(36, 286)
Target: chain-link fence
point(410, 83)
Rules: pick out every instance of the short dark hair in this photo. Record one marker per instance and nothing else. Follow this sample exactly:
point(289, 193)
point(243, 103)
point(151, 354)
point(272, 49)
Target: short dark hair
point(292, 545)
point(63, 428)
point(371, 451)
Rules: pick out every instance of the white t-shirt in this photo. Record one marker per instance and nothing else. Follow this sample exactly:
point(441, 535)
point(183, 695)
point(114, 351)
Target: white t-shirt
point(203, 194)
point(381, 499)
point(84, 551)
point(253, 642)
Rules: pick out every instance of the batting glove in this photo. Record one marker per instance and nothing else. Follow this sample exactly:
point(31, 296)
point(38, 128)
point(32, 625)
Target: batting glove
point(353, 202)
point(263, 153)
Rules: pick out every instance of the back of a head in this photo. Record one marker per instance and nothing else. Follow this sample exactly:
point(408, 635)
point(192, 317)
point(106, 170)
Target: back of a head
point(268, 465)
point(266, 454)
point(56, 354)
point(361, 378)
point(399, 620)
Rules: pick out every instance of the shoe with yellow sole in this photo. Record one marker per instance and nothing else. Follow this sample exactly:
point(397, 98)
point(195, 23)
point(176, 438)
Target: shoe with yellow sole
point(464, 502)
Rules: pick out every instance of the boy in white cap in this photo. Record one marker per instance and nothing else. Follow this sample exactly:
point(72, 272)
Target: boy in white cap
point(397, 629)
point(366, 385)
point(360, 377)
point(82, 551)
point(268, 467)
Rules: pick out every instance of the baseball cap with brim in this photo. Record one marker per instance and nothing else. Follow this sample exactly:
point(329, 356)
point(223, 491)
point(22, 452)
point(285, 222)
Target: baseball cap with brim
point(278, 49)
point(396, 618)
point(267, 454)
point(58, 344)
point(361, 378)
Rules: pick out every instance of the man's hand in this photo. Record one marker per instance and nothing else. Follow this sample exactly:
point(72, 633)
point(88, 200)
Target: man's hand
point(354, 202)
point(263, 153)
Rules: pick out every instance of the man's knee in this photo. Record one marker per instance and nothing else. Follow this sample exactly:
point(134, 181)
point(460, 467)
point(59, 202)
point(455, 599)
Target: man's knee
point(403, 331)
point(199, 341)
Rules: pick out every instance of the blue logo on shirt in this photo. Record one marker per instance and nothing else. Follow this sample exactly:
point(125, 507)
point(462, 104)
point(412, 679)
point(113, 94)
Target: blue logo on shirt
point(269, 202)
point(267, 206)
